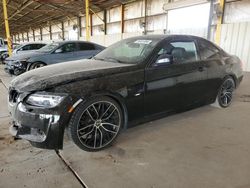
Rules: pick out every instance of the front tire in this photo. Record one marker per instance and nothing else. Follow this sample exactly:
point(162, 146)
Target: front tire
point(225, 95)
point(36, 65)
point(95, 124)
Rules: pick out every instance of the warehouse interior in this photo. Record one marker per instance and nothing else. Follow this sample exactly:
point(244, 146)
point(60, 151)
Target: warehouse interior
point(204, 147)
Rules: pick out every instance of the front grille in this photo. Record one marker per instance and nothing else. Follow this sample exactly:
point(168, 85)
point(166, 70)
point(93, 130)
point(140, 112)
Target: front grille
point(13, 95)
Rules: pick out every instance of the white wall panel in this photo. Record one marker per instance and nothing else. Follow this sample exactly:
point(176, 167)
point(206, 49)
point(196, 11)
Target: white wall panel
point(157, 22)
point(113, 28)
point(98, 30)
point(114, 15)
point(131, 26)
point(235, 39)
point(110, 39)
point(238, 11)
point(134, 10)
point(97, 20)
point(155, 7)
point(201, 32)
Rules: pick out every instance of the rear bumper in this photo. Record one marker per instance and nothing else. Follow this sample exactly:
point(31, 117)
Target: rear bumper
point(43, 128)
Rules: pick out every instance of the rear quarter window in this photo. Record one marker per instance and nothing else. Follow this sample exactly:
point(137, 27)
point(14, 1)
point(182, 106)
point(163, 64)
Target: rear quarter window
point(86, 46)
point(208, 50)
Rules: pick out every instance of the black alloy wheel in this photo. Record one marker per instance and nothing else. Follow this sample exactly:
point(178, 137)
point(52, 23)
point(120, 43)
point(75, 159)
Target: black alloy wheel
point(95, 124)
point(37, 65)
point(226, 92)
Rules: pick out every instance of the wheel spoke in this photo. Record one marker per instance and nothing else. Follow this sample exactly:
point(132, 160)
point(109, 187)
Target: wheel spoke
point(109, 115)
point(105, 123)
point(105, 111)
point(95, 138)
point(79, 130)
point(107, 130)
point(97, 114)
point(86, 134)
point(225, 99)
point(101, 137)
point(91, 117)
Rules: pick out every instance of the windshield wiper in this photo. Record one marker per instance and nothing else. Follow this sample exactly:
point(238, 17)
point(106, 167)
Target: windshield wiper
point(113, 59)
point(101, 59)
point(108, 59)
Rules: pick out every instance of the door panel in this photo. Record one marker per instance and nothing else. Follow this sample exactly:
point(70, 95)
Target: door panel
point(177, 85)
point(67, 53)
point(214, 61)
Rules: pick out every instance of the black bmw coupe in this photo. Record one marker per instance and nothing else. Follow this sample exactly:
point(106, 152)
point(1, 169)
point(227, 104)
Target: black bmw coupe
point(132, 81)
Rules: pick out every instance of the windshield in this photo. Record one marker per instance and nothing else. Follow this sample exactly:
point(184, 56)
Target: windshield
point(131, 51)
point(49, 47)
point(18, 46)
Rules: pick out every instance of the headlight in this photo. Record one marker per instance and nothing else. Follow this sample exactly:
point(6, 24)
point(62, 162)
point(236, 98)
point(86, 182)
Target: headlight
point(44, 100)
point(18, 64)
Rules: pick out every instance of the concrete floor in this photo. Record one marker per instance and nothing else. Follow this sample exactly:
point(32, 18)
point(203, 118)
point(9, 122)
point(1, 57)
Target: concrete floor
point(206, 147)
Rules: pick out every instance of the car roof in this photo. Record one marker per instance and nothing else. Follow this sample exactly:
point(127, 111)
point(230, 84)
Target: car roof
point(165, 36)
point(26, 43)
point(72, 41)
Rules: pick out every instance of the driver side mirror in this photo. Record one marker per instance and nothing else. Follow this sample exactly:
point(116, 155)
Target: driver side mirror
point(58, 51)
point(164, 59)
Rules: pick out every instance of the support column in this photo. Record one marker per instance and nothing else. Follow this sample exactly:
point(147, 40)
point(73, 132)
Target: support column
point(122, 18)
point(28, 36)
point(219, 22)
point(105, 21)
point(41, 34)
point(80, 26)
point(211, 14)
point(87, 20)
point(7, 28)
point(145, 16)
point(18, 37)
point(91, 24)
point(50, 33)
point(63, 38)
point(34, 37)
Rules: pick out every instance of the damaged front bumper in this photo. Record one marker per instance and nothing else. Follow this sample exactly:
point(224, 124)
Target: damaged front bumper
point(43, 128)
point(15, 69)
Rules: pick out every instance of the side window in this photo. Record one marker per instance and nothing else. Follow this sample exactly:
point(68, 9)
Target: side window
point(27, 47)
point(70, 47)
point(207, 50)
point(179, 51)
point(41, 45)
point(183, 52)
point(36, 46)
point(86, 46)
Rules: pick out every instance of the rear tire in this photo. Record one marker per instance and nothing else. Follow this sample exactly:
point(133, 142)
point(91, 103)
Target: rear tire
point(225, 94)
point(94, 125)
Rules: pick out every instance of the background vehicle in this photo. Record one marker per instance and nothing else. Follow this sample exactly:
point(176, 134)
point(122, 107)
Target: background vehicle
point(132, 81)
point(56, 52)
point(3, 47)
point(28, 47)
point(23, 48)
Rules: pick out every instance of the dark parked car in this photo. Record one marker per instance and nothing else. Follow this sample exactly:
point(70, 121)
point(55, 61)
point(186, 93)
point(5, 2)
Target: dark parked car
point(132, 81)
point(56, 52)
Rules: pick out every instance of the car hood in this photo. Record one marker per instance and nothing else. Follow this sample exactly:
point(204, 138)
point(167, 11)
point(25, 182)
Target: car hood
point(53, 75)
point(23, 56)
